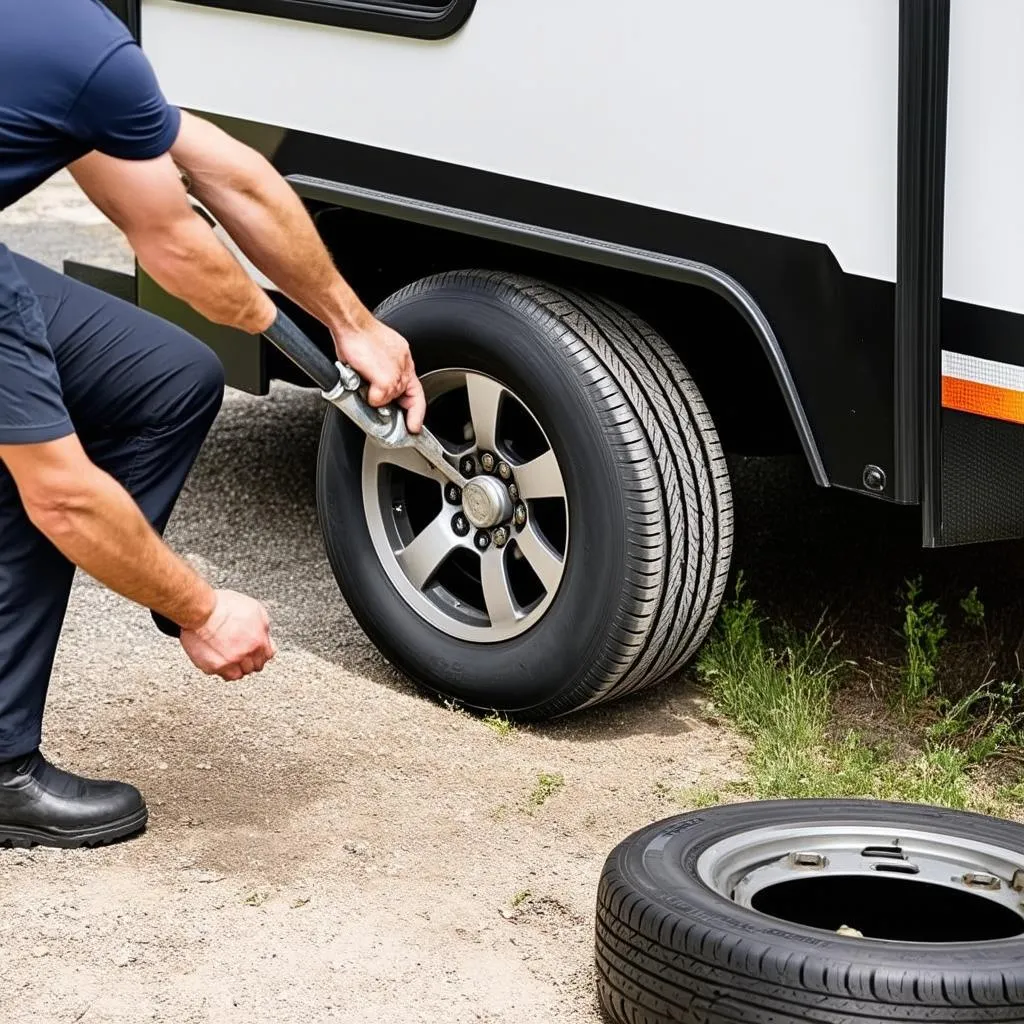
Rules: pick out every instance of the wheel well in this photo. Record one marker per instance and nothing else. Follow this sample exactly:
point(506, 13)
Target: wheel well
point(378, 255)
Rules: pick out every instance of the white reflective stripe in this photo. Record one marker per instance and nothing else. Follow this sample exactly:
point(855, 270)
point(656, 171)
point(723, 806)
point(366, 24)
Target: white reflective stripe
point(983, 371)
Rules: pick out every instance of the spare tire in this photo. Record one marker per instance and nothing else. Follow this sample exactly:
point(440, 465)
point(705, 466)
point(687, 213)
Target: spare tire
point(829, 912)
point(594, 555)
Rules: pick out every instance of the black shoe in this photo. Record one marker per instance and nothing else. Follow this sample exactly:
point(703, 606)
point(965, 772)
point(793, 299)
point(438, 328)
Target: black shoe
point(41, 804)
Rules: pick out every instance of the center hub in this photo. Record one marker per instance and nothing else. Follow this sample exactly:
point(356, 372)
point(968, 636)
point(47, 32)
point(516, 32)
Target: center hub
point(486, 502)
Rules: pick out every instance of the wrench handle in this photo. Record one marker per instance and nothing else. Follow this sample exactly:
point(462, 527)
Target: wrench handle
point(286, 336)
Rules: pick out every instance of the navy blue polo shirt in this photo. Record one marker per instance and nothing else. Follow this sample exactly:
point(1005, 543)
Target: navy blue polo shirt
point(72, 80)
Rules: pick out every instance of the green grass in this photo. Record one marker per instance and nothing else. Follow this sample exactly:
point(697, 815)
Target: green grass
point(779, 687)
point(924, 628)
point(547, 786)
point(499, 725)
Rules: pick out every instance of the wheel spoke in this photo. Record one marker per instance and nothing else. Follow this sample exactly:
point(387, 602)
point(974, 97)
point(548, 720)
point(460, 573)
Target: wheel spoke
point(405, 458)
point(501, 606)
point(540, 477)
point(544, 561)
point(422, 556)
point(484, 400)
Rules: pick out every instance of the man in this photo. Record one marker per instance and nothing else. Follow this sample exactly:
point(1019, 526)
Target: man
point(103, 407)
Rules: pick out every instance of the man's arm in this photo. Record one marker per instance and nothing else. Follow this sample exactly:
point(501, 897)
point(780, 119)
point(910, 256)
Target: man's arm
point(268, 222)
point(147, 201)
point(93, 521)
point(259, 210)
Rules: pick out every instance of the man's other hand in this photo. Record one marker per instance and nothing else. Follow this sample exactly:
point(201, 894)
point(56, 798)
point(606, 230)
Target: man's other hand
point(234, 640)
point(382, 358)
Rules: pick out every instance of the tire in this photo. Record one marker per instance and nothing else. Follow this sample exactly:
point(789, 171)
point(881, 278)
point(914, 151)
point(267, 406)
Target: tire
point(648, 513)
point(684, 934)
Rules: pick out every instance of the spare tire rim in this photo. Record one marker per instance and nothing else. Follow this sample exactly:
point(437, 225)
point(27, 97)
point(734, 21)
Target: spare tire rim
point(483, 565)
point(884, 882)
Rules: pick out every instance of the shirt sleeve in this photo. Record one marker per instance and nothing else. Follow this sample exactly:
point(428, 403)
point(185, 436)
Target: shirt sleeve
point(121, 110)
point(31, 402)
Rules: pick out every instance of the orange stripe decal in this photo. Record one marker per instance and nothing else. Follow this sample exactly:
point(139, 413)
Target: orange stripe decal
point(983, 399)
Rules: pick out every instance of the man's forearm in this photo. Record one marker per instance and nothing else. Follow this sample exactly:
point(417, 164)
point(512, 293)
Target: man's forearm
point(268, 222)
point(99, 527)
point(191, 263)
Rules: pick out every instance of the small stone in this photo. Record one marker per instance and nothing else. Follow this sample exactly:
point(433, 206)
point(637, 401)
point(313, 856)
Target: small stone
point(40, 951)
point(353, 846)
point(123, 958)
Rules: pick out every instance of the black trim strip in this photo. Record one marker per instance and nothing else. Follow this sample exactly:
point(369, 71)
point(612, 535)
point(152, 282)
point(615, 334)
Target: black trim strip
point(393, 17)
point(923, 90)
point(592, 250)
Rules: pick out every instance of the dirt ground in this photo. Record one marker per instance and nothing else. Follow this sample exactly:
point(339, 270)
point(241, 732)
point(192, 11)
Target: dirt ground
point(325, 844)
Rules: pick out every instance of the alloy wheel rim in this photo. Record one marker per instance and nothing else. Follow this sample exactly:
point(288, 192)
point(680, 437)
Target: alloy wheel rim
point(482, 583)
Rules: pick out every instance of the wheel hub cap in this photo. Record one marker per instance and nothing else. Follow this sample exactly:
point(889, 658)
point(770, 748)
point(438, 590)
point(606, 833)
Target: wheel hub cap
point(486, 502)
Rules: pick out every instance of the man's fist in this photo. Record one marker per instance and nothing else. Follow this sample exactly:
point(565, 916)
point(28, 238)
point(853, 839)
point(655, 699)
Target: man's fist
point(234, 640)
point(382, 358)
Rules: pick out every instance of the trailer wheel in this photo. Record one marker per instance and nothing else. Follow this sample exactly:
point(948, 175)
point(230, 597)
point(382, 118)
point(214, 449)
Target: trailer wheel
point(600, 484)
point(818, 911)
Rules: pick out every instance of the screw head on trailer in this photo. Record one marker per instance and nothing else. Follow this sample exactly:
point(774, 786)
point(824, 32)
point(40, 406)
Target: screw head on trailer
point(504, 471)
point(487, 462)
point(520, 514)
point(500, 537)
point(482, 540)
point(453, 494)
point(460, 524)
point(467, 467)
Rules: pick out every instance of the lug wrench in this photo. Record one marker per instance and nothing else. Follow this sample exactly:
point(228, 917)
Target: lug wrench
point(344, 388)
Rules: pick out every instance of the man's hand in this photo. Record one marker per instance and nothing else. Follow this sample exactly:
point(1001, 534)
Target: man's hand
point(234, 640)
point(382, 358)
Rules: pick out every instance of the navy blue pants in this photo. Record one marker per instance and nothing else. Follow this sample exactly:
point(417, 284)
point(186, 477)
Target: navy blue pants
point(142, 395)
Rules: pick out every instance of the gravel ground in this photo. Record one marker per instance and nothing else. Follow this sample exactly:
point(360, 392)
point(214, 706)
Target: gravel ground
point(325, 844)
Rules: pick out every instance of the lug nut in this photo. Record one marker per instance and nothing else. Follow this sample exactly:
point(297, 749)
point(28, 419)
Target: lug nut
point(487, 461)
point(513, 492)
point(504, 471)
point(482, 540)
point(467, 467)
point(460, 524)
point(500, 537)
point(453, 494)
point(520, 514)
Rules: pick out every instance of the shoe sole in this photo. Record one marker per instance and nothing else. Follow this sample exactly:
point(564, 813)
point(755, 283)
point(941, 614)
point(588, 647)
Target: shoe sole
point(71, 839)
